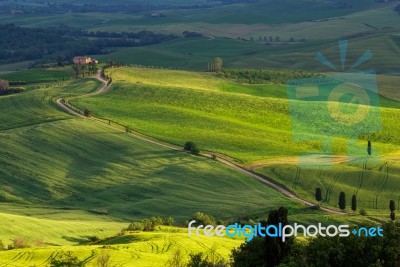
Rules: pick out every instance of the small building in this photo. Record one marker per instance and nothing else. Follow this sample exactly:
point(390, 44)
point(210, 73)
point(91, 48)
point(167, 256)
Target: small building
point(84, 60)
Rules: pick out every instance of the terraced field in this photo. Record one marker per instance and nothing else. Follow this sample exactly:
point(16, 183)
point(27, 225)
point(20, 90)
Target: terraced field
point(134, 249)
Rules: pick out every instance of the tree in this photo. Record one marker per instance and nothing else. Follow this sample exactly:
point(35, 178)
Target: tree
point(342, 201)
point(77, 69)
point(318, 195)
point(218, 64)
point(84, 68)
point(354, 203)
point(369, 148)
point(264, 251)
point(392, 205)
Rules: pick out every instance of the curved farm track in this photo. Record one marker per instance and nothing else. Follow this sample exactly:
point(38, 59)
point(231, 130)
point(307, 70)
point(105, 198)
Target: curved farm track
point(224, 161)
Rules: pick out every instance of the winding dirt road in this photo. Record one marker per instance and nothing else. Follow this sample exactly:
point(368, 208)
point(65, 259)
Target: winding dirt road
point(232, 165)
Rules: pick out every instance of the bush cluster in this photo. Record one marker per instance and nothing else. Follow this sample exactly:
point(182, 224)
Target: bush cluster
point(150, 224)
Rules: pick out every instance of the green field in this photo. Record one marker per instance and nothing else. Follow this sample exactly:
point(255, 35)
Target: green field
point(133, 249)
point(177, 106)
point(195, 53)
point(40, 75)
point(64, 179)
point(198, 107)
point(84, 165)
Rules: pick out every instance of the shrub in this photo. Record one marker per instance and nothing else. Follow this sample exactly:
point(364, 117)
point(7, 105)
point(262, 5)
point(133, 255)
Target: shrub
point(148, 225)
point(20, 242)
point(40, 242)
point(136, 226)
point(203, 219)
point(2, 246)
point(157, 221)
point(363, 212)
point(93, 239)
point(192, 147)
point(65, 259)
point(103, 260)
point(169, 221)
point(87, 113)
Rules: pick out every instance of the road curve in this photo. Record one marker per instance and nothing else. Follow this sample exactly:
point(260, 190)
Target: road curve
point(228, 163)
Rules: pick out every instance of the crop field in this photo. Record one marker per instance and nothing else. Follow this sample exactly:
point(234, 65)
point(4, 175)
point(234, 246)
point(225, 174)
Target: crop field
point(195, 53)
point(40, 75)
point(374, 186)
point(242, 126)
point(86, 165)
point(133, 249)
point(246, 124)
point(36, 105)
point(54, 227)
point(73, 184)
point(301, 21)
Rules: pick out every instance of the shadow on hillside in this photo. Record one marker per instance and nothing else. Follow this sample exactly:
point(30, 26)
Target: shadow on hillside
point(126, 239)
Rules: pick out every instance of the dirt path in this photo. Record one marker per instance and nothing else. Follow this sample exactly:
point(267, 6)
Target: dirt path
point(232, 165)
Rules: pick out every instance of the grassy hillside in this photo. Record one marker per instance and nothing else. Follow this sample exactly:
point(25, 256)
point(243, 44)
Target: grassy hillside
point(246, 127)
point(85, 165)
point(288, 11)
point(374, 186)
point(254, 129)
point(134, 249)
point(36, 105)
point(41, 75)
point(195, 53)
point(54, 227)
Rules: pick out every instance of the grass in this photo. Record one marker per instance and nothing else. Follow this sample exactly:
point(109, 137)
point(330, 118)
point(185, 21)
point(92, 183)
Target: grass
point(100, 168)
point(133, 249)
point(239, 125)
point(36, 105)
point(147, 248)
point(195, 53)
point(84, 165)
point(55, 227)
point(253, 129)
point(40, 75)
point(374, 186)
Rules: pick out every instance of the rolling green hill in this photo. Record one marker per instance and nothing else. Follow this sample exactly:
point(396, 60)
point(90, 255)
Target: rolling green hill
point(85, 165)
point(195, 53)
point(133, 249)
point(239, 125)
point(176, 106)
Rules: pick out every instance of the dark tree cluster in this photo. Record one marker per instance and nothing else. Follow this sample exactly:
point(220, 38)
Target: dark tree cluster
point(351, 251)
point(397, 8)
point(264, 76)
point(62, 43)
point(61, 8)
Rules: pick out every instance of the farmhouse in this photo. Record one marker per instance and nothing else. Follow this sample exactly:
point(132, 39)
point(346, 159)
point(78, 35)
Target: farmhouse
point(84, 60)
